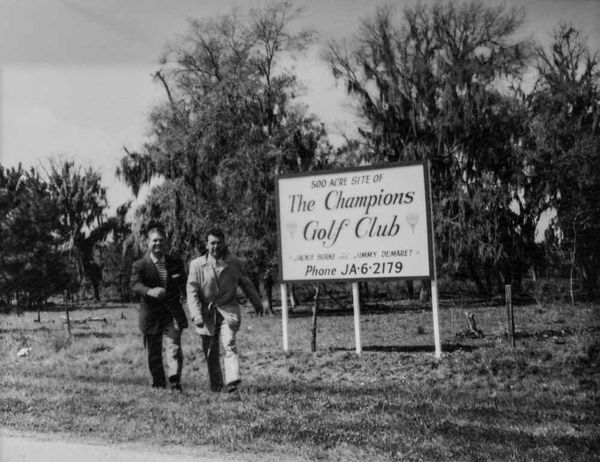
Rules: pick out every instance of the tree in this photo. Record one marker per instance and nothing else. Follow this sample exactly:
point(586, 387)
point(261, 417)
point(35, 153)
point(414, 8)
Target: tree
point(228, 127)
point(118, 252)
point(81, 201)
point(32, 268)
point(136, 170)
point(564, 146)
point(432, 85)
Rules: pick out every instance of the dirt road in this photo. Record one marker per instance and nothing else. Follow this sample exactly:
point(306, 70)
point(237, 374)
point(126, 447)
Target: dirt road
point(16, 447)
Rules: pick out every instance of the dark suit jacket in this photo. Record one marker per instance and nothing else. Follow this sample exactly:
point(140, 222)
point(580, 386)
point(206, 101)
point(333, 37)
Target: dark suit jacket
point(155, 314)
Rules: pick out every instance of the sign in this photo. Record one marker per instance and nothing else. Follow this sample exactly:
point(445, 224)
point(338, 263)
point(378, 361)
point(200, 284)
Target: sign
point(359, 224)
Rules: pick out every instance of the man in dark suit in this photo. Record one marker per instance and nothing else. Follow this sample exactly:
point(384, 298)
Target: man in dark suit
point(159, 280)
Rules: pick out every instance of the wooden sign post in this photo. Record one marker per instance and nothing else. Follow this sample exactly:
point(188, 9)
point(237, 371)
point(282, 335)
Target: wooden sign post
point(510, 315)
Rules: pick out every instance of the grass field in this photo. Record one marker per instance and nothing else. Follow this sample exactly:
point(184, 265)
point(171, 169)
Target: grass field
point(483, 400)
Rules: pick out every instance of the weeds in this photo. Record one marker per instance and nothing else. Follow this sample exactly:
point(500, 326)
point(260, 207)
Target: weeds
point(483, 401)
point(60, 342)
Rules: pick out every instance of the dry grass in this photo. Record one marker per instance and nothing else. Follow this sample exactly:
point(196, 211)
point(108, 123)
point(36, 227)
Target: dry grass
point(482, 401)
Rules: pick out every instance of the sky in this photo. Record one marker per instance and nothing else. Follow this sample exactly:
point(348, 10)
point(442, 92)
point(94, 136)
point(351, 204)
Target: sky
point(76, 75)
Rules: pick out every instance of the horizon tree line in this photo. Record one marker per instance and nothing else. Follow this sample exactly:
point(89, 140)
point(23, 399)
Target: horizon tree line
point(442, 82)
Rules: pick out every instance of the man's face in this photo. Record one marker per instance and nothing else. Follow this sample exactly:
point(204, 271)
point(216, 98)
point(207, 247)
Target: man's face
point(156, 244)
point(215, 246)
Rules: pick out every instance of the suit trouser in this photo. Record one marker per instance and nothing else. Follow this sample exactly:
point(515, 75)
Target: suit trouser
point(173, 354)
point(225, 337)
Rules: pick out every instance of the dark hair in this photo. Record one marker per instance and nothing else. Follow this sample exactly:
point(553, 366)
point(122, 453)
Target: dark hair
point(216, 232)
point(157, 230)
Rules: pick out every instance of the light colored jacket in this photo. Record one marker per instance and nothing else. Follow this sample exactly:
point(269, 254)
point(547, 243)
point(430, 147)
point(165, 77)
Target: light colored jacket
point(206, 292)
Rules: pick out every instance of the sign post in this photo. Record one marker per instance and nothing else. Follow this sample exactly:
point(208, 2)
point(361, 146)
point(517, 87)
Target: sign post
point(434, 287)
point(361, 224)
point(436, 319)
point(284, 316)
point(356, 304)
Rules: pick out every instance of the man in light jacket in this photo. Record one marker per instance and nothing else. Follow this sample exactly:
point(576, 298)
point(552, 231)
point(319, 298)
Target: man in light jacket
point(214, 308)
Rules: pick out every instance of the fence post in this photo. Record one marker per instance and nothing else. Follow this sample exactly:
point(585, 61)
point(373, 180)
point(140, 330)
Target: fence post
point(510, 315)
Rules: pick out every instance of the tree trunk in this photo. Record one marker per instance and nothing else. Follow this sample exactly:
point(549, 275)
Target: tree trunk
point(590, 276)
point(124, 289)
point(517, 274)
point(472, 326)
point(293, 297)
point(96, 289)
point(364, 290)
point(476, 278)
point(410, 289)
point(20, 304)
point(67, 302)
point(332, 297)
point(489, 272)
point(265, 285)
point(313, 340)
point(572, 271)
point(269, 294)
point(425, 293)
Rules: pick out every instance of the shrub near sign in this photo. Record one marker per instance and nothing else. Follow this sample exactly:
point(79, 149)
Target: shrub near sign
point(367, 223)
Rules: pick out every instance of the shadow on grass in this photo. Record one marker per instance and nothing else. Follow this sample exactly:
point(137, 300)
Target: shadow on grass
point(543, 334)
point(344, 307)
point(76, 381)
point(446, 348)
point(90, 334)
point(374, 308)
point(97, 335)
point(20, 330)
point(476, 437)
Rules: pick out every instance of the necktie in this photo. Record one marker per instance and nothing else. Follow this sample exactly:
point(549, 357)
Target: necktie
point(162, 272)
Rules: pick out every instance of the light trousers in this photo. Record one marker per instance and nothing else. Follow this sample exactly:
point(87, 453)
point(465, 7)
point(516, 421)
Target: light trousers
point(223, 343)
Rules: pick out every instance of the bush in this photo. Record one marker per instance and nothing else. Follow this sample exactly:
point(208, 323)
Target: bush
point(549, 290)
point(5, 308)
point(60, 343)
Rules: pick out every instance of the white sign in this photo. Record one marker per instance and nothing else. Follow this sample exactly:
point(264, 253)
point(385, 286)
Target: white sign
point(367, 223)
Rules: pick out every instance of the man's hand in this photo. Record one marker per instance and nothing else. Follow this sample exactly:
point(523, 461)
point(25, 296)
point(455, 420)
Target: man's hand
point(266, 305)
point(157, 292)
point(262, 309)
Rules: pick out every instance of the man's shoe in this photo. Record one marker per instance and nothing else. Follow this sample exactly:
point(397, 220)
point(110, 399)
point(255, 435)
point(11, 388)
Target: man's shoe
point(176, 387)
point(232, 386)
point(174, 383)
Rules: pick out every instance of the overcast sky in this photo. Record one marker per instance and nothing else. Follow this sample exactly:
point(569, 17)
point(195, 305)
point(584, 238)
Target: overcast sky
point(75, 75)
